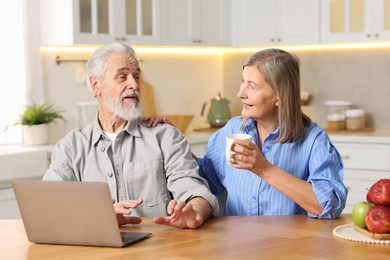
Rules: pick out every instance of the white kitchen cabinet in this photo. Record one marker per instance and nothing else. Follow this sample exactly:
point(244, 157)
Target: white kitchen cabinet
point(270, 22)
point(355, 20)
point(8, 207)
point(198, 142)
point(366, 160)
point(19, 162)
point(199, 149)
point(67, 22)
point(196, 22)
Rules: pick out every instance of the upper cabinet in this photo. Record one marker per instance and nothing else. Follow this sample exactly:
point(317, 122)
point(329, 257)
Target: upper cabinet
point(355, 20)
point(66, 22)
point(270, 22)
point(213, 22)
point(196, 22)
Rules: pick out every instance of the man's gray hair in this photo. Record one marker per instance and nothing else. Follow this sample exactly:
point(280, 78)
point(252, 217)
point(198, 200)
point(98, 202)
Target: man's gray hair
point(97, 64)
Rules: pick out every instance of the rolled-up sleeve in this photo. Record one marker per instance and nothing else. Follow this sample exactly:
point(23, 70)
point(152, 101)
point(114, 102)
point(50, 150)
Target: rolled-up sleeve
point(327, 170)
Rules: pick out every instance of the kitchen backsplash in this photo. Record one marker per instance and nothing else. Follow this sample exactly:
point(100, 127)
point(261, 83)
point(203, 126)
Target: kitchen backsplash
point(360, 76)
point(182, 82)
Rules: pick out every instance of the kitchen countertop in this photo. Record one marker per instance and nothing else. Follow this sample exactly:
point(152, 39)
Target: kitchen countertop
point(245, 237)
point(375, 136)
point(195, 137)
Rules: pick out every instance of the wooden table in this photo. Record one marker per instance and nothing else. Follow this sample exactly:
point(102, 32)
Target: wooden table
point(257, 237)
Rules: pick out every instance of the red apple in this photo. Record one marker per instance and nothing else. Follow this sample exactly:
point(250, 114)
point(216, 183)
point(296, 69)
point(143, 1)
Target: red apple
point(378, 219)
point(379, 193)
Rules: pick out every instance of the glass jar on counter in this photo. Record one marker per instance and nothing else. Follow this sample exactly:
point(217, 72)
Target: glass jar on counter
point(336, 121)
point(354, 119)
point(336, 114)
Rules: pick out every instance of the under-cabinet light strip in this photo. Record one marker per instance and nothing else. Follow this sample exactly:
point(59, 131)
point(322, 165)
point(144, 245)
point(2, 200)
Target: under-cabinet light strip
point(221, 50)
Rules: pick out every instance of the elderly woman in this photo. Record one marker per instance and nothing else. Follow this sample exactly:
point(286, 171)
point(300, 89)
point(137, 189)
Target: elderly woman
point(290, 166)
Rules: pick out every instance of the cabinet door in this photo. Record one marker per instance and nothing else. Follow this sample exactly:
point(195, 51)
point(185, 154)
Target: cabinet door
point(382, 20)
point(137, 21)
point(195, 22)
point(210, 22)
point(260, 22)
point(199, 149)
point(358, 182)
point(175, 22)
point(254, 22)
point(65, 22)
point(93, 21)
point(365, 163)
point(105, 21)
point(8, 206)
point(298, 21)
point(350, 20)
point(363, 156)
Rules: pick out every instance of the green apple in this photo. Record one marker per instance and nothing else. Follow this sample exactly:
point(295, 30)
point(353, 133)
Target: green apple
point(359, 213)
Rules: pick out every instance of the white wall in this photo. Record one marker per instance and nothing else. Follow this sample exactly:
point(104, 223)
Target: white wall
point(182, 82)
point(361, 76)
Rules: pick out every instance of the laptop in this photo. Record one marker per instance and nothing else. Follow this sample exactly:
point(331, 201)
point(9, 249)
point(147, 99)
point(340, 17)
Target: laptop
point(70, 213)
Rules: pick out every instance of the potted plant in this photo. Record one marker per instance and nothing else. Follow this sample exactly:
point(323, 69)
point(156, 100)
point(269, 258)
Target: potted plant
point(35, 123)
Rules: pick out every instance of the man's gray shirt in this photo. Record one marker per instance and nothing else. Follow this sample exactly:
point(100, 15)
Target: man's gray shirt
point(153, 164)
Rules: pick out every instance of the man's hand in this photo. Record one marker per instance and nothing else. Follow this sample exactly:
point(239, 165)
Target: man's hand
point(122, 210)
point(186, 215)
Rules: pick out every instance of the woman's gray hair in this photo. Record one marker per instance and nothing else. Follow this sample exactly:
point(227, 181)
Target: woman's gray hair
point(97, 64)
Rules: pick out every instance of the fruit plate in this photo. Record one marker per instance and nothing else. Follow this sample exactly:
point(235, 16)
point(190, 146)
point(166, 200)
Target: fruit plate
point(348, 232)
point(372, 235)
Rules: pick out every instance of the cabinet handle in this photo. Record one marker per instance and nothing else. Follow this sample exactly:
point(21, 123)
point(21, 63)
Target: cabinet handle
point(123, 39)
point(197, 41)
point(369, 35)
point(272, 39)
point(345, 157)
point(376, 35)
point(279, 40)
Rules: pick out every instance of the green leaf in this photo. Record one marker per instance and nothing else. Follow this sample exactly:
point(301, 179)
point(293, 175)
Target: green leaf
point(40, 114)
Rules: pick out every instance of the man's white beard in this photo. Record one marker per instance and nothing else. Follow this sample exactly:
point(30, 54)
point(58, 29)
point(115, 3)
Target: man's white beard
point(127, 113)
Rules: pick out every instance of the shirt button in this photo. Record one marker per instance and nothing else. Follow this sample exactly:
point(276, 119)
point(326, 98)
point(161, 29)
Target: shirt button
point(103, 149)
point(254, 198)
point(110, 174)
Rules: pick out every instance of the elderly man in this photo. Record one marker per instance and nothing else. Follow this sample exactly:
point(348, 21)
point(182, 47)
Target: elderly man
point(150, 171)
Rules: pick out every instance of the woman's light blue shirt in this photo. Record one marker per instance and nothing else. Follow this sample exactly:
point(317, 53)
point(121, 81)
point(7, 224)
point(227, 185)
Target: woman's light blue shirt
point(313, 159)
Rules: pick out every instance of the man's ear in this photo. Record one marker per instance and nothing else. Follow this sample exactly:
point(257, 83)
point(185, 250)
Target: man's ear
point(94, 85)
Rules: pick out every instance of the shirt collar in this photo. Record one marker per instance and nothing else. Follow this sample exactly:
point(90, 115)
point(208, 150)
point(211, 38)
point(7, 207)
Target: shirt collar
point(132, 128)
point(250, 128)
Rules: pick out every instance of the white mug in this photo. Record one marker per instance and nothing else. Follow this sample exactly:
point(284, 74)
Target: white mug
point(229, 142)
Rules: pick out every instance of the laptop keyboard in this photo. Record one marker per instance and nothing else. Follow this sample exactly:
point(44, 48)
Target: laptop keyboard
point(127, 237)
point(131, 237)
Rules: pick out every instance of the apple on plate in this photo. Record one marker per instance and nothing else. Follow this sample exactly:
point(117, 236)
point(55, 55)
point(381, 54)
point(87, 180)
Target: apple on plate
point(359, 213)
point(379, 193)
point(378, 219)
